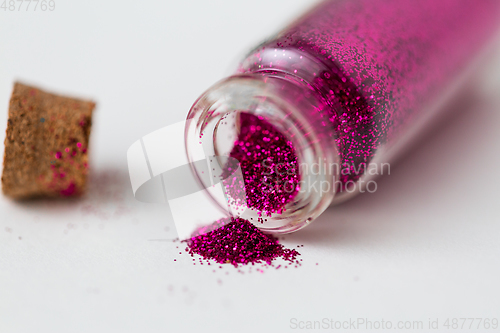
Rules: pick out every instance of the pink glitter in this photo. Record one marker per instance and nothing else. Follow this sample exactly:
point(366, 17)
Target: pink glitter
point(268, 163)
point(385, 62)
point(69, 191)
point(270, 172)
point(239, 243)
point(378, 67)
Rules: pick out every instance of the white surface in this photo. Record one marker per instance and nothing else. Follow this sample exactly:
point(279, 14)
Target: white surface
point(166, 157)
point(425, 245)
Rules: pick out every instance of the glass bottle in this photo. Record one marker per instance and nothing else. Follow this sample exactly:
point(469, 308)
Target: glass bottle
point(350, 84)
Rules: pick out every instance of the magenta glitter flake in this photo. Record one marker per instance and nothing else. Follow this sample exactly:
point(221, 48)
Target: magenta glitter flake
point(348, 85)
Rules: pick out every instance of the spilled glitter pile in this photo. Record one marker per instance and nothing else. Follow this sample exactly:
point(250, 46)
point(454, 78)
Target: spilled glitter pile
point(239, 243)
point(270, 173)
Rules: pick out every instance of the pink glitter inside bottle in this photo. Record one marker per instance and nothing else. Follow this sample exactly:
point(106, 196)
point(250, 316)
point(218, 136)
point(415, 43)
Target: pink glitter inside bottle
point(348, 84)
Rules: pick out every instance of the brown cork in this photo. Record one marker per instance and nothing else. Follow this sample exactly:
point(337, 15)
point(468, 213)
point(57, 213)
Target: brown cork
point(46, 144)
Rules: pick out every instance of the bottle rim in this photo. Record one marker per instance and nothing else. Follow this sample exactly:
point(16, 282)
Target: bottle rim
point(295, 110)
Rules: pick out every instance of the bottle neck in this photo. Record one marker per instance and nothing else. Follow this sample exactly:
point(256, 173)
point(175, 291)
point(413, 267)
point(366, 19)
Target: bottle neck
point(293, 108)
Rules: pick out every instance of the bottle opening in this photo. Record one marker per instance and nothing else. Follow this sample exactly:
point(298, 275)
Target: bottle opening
point(272, 128)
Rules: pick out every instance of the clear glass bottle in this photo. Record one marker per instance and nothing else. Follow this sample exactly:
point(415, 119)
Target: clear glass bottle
point(349, 83)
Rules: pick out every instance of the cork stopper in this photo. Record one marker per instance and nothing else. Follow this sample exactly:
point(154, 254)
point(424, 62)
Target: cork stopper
point(46, 144)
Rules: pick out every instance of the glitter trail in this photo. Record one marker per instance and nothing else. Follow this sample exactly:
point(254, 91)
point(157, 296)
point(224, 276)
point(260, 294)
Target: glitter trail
point(270, 173)
point(239, 243)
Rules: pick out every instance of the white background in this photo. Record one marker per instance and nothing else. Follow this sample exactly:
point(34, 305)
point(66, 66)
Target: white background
point(425, 245)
